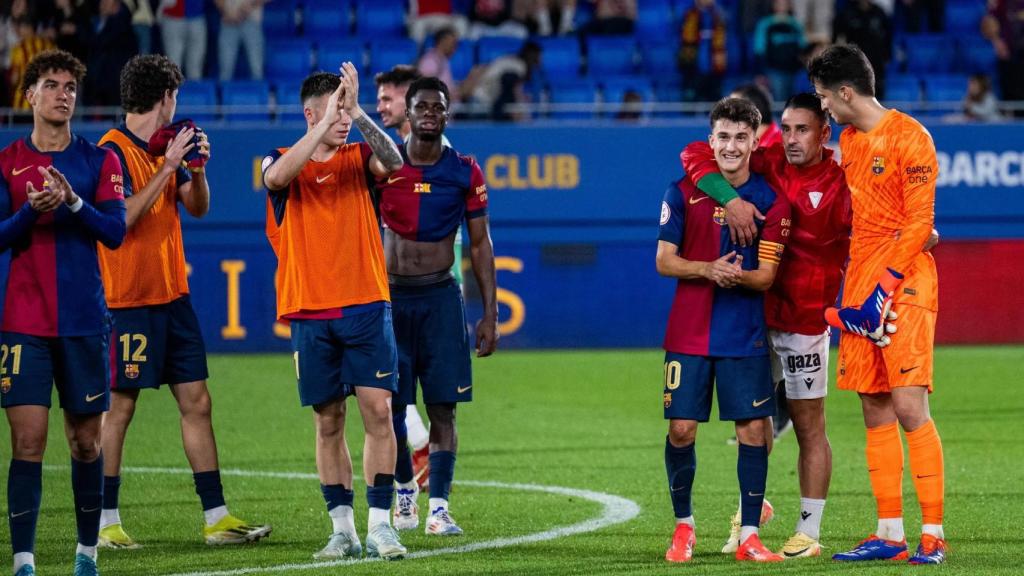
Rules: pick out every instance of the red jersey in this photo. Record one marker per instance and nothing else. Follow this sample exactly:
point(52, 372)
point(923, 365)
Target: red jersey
point(811, 274)
point(771, 137)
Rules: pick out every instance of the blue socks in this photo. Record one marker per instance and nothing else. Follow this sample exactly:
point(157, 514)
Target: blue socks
point(209, 489)
point(87, 485)
point(111, 490)
point(337, 495)
point(403, 461)
point(442, 471)
point(382, 493)
point(681, 465)
point(752, 469)
point(24, 492)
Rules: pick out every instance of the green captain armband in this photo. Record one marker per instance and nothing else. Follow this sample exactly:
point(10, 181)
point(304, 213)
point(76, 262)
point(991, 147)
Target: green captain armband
point(716, 186)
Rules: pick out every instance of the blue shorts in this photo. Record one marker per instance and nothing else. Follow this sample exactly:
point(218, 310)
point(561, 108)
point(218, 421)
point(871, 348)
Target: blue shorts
point(433, 343)
point(333, 357)
point(745, 390)
point(78, 365)
point(154, 345)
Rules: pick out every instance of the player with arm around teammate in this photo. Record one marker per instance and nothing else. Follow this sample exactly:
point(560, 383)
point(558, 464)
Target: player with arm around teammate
point(157, 337)
point(332, 288)
point(423, 206)
point(59, 196)
point(891, 167)
point(716, 335)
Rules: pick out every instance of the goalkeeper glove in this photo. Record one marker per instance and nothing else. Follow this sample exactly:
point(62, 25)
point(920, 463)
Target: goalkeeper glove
point(162, 138)
point(873, 319)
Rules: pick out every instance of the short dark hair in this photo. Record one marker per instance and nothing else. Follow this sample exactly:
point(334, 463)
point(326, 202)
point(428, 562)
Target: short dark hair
point(318, 84)
point(440, 34)
point(843, 64)
point(427, 83)
point(400, 75)
point(759, 96)
point(737, 110)
point(807, 101)
point(144, 81)
point(52, 61)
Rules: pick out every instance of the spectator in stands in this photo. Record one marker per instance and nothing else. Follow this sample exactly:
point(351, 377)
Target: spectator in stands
point(111, 45)
point(932, 10)
point(550, 17)
point(866, 24)
point(778, 44)
point(503, 82)
point(183, 30)
point(29, 44)
point(612, 17)
point(816, 18)
point(142, 23)
point(702, 53)
point(437, 62)
point(241, 21)
point(1004, 27)
point(426, 17)
point(632, 107)
point(70, 23)
point(980, 104)
point(496, 18)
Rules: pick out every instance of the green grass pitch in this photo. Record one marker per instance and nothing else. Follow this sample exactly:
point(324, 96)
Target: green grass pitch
point(587, 420)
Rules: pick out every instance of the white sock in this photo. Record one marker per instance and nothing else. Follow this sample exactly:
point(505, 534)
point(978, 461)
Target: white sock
point(89, 551)
point(411, 485)
point(109, 517)
point(687, 520)
point(417, 432)
point(747, 532)
point(810, 517)
point(933, 530)
point(22, 558)
point(342, 520)
point(378, 516)
point(436, 503)
point(543, 22)
point(214, 515)
point(891, 529)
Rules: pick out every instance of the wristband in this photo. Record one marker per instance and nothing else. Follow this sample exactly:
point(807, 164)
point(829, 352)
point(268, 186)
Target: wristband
point(716, 186)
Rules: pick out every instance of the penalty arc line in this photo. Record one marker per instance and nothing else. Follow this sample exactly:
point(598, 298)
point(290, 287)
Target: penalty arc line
point(615, 510)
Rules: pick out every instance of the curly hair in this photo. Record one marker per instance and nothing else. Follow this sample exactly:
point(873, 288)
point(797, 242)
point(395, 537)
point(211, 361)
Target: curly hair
point(426, 83)
point(52, 61)
point(739, 110)
point(145, 80)
point(318, 84)
point(400, 75)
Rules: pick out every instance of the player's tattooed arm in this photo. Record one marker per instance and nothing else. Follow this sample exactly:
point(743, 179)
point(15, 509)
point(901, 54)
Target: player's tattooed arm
point(384, 149)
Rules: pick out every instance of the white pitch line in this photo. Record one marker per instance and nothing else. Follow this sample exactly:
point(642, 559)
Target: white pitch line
point(616, 510)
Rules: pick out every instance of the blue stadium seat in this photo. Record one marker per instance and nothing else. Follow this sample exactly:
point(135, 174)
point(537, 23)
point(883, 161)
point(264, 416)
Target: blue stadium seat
point(964, 18)
point(573, 92)
point(977, 56)
point(654, 19)
point(386, 54)
point(326, 20)
point(492, 47)
point(658, 57)
point(376, 19)
point(249, 93)
point(286, 94)
point(900, 88)
point(279, 19)
point(945, 87)
point(330, 54)
point(929, 53)
point(197, 93)
point(611, 55)
point(288, 59)
point(614, 88)
point(561, 56)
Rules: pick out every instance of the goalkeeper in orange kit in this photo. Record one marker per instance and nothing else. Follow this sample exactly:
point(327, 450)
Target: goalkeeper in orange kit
point(891, 169)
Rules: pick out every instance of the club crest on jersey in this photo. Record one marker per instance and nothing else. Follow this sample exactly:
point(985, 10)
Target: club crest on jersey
point(878, 165)
point(667, 399)
point(5, 384)
point(421, 188)
point(131, 371)
point(719, 216)
point(666, 213)
point(815, 198)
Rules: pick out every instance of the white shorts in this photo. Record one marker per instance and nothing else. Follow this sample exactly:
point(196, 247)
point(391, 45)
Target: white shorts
point(802, 361)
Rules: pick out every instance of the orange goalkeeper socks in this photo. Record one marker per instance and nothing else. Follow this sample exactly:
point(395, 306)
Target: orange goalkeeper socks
point(884, 452)
point(926, 465)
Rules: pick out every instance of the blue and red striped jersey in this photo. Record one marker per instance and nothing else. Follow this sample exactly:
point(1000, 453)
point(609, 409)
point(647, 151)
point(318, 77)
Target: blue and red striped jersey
point(707, 320)
point(53, 282)
point(428, 203)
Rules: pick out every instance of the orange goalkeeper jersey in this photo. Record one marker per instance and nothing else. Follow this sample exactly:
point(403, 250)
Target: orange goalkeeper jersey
point(891, 171)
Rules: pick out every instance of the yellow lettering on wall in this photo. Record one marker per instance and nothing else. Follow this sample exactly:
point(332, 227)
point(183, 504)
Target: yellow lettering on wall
point(534, 171)
point(509, 298)
point(234, 330)
point(536, 177)
point(257, 173)
point(567, 170)
point(491, 169)
point(282, 330)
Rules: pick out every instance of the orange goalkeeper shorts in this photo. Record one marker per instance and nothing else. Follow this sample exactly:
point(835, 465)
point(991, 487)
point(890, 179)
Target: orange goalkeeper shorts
point(868, 369)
